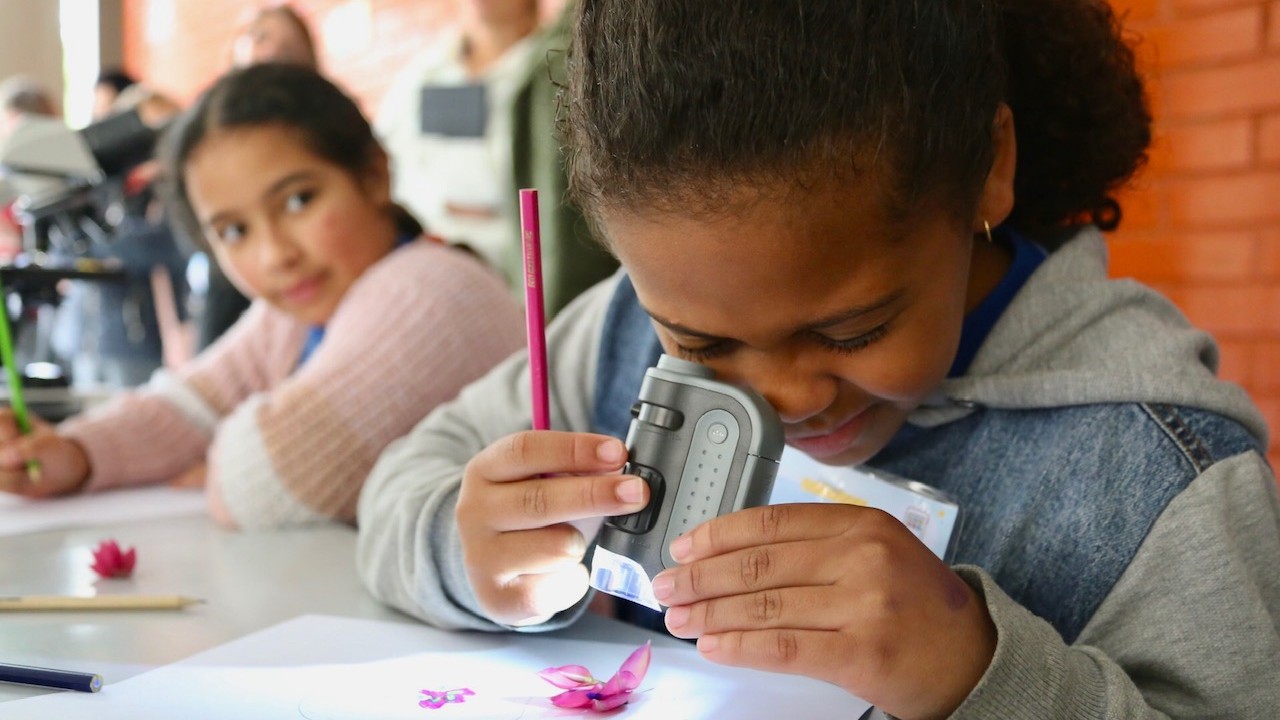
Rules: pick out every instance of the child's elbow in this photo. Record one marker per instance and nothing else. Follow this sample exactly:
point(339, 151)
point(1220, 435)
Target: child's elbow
point(218, 509)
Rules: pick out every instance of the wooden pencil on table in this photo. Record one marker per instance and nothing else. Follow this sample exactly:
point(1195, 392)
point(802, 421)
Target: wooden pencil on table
point(96, 602)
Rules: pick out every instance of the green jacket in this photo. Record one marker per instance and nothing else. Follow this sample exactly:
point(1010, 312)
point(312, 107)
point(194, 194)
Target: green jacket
point(572, 260)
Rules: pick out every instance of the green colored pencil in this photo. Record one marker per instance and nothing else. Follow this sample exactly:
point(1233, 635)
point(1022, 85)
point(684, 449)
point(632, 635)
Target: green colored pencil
point(15, 382)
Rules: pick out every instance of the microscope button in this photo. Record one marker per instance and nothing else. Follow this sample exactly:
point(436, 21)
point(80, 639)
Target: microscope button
point(717, 433)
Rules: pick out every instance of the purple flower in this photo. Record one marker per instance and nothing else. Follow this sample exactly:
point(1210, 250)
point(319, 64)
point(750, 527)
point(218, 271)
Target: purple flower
point(109, 561)
point(581, 690)
point(436, 699)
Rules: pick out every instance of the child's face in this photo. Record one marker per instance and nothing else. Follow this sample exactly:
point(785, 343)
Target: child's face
point(497, 12)
point(285, 224)
point(843, 319)
point(271, 38)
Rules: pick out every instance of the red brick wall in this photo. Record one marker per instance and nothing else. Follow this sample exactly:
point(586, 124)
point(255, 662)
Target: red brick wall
point(179, 46)
point(1202, 222)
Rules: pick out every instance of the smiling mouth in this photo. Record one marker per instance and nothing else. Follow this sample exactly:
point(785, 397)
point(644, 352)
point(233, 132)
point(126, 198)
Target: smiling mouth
point(303, 292)
point(834, 442)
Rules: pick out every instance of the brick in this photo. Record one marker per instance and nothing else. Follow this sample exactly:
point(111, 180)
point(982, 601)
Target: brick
point(1220, 145)
point(1235, 362)
point(1273, 27)
point(1182, 8)
point(197, 49)
point(1140, 204)
point(1269, 135)
point(1232, 312)
point(1227, 90)
point(1265, 368)
point(1269, 254)
point(1227, 200)
point(1186, 257)
point(1270, 408)
point(1135, 11)
point(1228, 35)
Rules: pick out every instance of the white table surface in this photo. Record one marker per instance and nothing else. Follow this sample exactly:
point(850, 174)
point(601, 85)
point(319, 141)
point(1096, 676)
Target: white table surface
point(249, 581)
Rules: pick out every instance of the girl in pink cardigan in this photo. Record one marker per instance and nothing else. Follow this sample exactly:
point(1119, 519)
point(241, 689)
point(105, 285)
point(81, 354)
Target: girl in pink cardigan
point(359, 327)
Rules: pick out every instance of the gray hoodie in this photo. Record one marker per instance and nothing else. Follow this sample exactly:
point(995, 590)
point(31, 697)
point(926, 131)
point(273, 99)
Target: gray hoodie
point(1124, 527)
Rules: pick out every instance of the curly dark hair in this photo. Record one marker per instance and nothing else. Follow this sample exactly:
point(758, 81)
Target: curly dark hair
point(670, 104)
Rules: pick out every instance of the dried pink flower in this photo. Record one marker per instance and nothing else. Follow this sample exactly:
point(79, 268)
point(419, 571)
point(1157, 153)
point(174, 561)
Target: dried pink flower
point(581, 690)
point(110, 561)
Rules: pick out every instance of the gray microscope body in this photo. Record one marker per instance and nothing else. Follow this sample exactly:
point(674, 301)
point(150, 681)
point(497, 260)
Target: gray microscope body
point(706, 448)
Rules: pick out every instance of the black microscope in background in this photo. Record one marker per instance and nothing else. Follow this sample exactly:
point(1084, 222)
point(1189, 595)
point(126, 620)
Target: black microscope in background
point(67, 190)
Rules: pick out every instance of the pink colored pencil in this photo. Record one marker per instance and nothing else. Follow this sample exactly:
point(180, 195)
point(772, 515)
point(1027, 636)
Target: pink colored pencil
point(534, 312)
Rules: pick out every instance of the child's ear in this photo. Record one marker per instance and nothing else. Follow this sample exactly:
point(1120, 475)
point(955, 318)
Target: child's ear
point(996, 201)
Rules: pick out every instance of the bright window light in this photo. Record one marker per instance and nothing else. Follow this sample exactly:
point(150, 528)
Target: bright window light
point(79, 27)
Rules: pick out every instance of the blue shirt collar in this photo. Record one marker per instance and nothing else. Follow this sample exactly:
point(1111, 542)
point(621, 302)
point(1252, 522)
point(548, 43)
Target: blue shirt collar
point(1027, 256)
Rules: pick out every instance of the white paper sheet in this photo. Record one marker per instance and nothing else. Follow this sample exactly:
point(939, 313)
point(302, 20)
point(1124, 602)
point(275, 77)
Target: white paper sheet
point(20, 515)
point(326, 668)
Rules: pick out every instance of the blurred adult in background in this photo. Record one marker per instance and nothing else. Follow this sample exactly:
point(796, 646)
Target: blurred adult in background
point(468, 122)
point(276, 33)
point(111, 332)
point(20, 97)
point(110, 83)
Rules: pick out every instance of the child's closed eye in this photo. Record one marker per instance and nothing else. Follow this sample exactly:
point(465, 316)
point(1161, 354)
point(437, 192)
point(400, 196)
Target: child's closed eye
point(855, 343)
point(721, 348)
point(717, 349)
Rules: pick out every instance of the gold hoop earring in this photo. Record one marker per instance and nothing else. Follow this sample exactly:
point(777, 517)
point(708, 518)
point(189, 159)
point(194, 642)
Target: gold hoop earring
point(987, 227)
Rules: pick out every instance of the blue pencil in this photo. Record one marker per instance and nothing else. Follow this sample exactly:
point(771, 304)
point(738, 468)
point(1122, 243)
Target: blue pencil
point(46, 677)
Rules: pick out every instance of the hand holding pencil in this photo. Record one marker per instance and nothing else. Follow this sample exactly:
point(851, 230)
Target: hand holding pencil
point(530, 502)
point(63, 466)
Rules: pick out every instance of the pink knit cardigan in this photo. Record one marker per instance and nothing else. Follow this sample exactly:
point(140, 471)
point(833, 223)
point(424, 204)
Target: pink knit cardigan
point(288, 445)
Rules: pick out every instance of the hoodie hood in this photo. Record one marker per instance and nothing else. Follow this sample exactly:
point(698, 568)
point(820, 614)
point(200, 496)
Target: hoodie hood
point(1073, 336)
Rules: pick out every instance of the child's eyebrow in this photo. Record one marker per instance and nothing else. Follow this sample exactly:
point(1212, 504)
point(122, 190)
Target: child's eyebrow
point(830, 321)
point(271, 190)
point(285, 181)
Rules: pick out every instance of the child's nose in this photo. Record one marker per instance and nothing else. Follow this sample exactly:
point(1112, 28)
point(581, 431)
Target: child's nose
point(278, 248)
point(795, 391)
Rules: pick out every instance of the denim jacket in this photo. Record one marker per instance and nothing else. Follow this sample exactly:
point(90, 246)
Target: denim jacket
point(1122, 525)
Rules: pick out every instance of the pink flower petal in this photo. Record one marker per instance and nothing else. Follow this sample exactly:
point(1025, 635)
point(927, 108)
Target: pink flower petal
point(568, 677)
point(622, 682)
point(572, 699)
point(638, 662)
point(606, 704)
point(582, 690)
point(128, 559)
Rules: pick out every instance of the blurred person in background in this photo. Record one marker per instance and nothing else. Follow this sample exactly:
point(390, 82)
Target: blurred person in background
point(468, 122)
point(20, 97)
point(111, 82)
point(111, 333)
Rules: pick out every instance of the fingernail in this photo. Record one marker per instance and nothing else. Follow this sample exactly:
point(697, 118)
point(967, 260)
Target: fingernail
point(677, 617)
point(663, 586)
point(630, 490)
point(611, 451)
point(708, 643)
point(681, 548)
